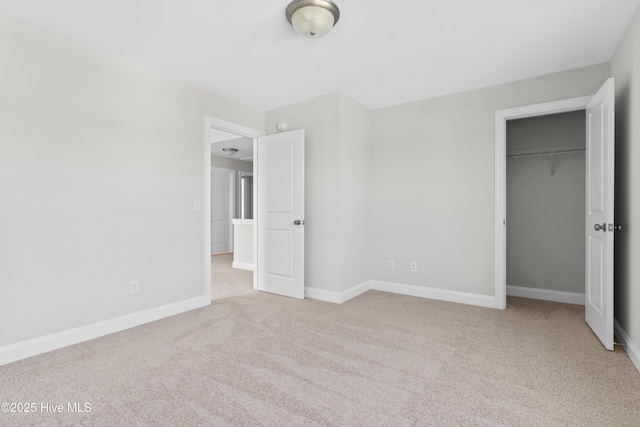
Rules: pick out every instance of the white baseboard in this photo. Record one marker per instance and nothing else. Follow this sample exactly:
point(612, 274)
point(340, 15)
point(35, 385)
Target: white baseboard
point(242, 265)
point(546, 295)
point(354, 291)
point(628, 345)
point(32, 347)
point(334, 296)
point(434, 293)
point(399, 288)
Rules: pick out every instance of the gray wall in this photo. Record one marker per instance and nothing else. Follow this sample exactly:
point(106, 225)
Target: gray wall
point(414, 182)
point(338, 135)
point(625, 67)
point(433, 180)
point(100, 162)
point(320, 118)
point(355, 176)
point(545, 214)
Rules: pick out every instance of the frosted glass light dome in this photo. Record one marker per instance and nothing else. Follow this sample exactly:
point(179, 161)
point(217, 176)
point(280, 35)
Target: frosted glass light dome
point(312, 18)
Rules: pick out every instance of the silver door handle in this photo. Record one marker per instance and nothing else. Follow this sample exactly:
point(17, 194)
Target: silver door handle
point(298, 222)
point(615, 227)
point(602, 227)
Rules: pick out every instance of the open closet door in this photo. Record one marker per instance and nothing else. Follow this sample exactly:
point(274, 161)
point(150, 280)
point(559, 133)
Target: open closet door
point(599, 216)
point(281, 214)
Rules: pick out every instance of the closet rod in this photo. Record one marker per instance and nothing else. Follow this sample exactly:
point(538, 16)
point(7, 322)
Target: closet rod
point(545, 152)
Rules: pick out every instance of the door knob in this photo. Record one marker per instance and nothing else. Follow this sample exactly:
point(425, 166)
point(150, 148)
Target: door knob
point(298, 222)
point(599, 227)
point(616, 227)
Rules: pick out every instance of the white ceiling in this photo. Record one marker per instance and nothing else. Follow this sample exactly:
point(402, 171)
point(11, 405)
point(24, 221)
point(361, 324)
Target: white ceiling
point(243, 144)
point(380, 53)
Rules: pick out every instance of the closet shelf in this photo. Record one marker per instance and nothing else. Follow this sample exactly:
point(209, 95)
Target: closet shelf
point(545, 152)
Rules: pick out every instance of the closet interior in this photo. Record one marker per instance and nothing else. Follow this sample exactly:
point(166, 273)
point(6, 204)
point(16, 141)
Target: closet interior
point(546, 204)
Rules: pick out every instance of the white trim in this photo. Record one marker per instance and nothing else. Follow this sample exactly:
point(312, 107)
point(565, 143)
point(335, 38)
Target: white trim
point(206, 210)
point(209, 124)
point(337, 297)
point(402, 289)
point(435, 293)
point(323, 295)
point(356, 290)
point(231, 127)
point(629, 346)
point(240, 174)
point(501, 117)
point(546, 294)
point(242, 265)
point(255, 212)
point(32, 347)
point(500, 224)
point(238, 221)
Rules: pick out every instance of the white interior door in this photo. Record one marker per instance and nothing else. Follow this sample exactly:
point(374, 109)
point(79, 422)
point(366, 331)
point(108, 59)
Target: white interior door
point(222, 187)
point(281, 213)
point(599, 215)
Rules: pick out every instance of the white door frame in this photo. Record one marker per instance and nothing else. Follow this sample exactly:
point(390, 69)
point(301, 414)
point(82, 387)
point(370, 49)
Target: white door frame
point(239, 184)
point(554, 107)
point(211, 123)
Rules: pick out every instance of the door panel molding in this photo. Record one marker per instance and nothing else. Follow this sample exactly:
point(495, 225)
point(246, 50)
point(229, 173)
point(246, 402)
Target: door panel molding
point(599, 217)
point(281, 213)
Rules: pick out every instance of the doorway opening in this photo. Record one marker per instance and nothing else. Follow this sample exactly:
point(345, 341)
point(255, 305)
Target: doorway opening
point(233, 148)
point(599, 206)
point(545, 204)
point(501, 118)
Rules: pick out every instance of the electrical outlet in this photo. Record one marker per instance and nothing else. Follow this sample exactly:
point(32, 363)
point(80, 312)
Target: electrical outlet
point(414, 267)
point(134, 287)
point(390, 265)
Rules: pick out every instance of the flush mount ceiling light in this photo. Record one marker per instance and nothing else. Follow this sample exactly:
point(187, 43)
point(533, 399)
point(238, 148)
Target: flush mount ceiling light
point(312, 18)
point(230, 151)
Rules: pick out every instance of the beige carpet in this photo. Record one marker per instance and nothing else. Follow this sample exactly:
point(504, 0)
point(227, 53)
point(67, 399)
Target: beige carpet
point(377, 360)
point(227, 281)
